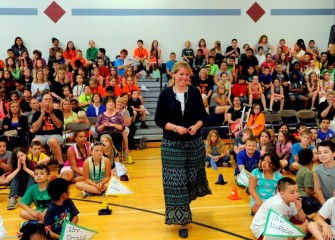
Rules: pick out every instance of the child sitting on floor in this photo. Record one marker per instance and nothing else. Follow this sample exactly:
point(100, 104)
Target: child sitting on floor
point(96, 172)
point(36, 194)
point(36, 155)
point(286, 203)
point(215, 149)
point(61, 208)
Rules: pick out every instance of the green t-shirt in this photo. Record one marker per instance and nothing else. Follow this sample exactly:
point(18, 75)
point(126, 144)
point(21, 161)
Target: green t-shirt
point(304, 180)
point(41, 199)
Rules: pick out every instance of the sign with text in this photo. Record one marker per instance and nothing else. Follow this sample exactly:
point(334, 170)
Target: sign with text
point(75, 232)
point(116, 187)
point(278, 226)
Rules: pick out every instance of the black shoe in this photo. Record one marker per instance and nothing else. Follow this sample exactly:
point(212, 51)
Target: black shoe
point(143, 125)
point(183, 233)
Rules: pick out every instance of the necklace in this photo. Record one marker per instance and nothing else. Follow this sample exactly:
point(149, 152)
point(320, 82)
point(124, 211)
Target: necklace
point(181, 99)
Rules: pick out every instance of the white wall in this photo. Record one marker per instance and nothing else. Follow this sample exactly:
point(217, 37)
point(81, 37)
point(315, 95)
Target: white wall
point(117, 32)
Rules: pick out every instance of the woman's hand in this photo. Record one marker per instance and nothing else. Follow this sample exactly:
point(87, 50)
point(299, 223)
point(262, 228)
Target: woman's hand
point(181, 130)
point(257, 205)
point(192, 130)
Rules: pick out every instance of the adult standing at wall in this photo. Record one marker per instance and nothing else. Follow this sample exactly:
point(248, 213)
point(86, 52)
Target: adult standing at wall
point(181, 113)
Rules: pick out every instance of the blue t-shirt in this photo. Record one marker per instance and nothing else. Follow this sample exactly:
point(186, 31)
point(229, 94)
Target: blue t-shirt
point(56, 215)
point(119, 62)
point(170, 64)
point(323, 136)
point(296, 148)
point(250, 163)
point(265, 79)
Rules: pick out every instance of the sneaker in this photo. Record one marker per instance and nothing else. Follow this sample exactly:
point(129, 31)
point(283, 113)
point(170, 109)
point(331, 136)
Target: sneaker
point(85, 194)
point(270, 110)
point(207, 164)
point(12, 203)
point(229, 164)
point(313, 108)
point(224, 164)
point(143, 125)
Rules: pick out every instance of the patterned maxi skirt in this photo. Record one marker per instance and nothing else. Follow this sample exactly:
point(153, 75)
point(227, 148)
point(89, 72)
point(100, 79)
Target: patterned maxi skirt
point(184, 178)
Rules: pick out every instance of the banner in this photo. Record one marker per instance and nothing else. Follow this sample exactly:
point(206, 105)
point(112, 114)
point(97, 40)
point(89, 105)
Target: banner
point(120, 169)
point(278, 226)
point(73, 231)
point(116, 187)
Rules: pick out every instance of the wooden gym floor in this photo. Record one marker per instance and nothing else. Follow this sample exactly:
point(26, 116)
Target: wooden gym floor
point(141, 215)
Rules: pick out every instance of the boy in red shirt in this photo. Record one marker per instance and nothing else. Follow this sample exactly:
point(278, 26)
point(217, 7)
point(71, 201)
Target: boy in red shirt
point(240, 89)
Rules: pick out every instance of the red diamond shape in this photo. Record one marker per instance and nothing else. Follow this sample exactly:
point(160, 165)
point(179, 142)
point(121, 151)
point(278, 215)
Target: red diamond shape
point(54, 12)
point(255, 12)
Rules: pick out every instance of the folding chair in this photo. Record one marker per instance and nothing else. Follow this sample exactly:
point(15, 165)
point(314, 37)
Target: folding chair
point(93, 121)
point(289, 117)
point(76, 126)
point(274, 120)
point(309, 117)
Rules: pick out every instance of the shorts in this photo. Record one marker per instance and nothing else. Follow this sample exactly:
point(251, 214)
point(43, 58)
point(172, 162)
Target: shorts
point(310, 205)
point(295, 95)
point(44, 139)
point(212, 110)
point(68, 168)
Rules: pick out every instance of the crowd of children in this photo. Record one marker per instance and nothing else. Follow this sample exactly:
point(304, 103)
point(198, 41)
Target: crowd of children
point(84, 86)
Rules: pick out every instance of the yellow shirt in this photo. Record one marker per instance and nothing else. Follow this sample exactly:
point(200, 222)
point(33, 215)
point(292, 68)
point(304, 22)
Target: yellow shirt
point(36, 159)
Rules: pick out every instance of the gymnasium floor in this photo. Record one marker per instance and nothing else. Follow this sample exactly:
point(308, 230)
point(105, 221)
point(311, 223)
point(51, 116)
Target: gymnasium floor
point(141, 215)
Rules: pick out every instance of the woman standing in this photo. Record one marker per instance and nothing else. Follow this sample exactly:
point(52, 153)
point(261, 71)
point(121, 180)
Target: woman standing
point(181, 113)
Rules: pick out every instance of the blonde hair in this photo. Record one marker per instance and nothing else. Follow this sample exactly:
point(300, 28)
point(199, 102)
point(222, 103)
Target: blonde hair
point(66, 80)
point(177, 67)
point(217, 46)
point(218, 143)
point(35, 75)
point(82, 114)
point(112, 148)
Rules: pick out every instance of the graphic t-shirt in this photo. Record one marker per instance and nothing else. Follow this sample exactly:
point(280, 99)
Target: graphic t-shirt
point(56, 215)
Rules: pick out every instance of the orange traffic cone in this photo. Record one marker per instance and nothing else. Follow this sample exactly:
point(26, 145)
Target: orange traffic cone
point(234, 194)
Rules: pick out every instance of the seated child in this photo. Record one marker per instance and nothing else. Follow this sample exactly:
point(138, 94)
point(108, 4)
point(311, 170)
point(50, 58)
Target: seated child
point(296, 148)
point(286, 202)
point(239, 89)
point(267, 148)
point(301, 127)
point(96, 172)
point(61, 208)
point(5, 158)
point(284, 148)
point(139, 110)
point(24, 177)
point(263, 180)
point(264, 138)
point(33, 231)
point(76, 155)
point(215, 149)
point(239, 142)
point(314, 139)
point(36, 155)
point(324, 177)
point(247, 158)
point(324, 133)
point(36, 194)
point(320, 229)
point(305, 181)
